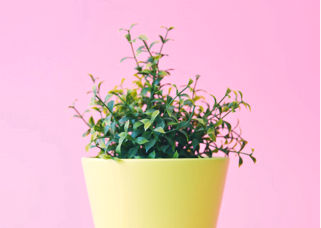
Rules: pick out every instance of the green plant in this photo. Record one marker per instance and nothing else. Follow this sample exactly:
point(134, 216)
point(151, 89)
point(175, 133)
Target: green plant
point(146, 122)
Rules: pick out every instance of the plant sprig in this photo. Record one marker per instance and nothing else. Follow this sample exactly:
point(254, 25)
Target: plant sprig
point(147, 122)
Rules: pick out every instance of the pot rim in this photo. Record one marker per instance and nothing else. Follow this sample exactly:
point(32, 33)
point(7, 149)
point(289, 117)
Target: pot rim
point(158, 159)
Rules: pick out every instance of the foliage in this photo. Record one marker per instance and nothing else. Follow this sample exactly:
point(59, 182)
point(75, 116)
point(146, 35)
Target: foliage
point(146, 122)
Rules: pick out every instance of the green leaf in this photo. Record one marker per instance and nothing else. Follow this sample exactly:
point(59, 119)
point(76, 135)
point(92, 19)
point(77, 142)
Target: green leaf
point(106, 129)
point(152, 154)
point(94, 89)
point(147, 125)
point(144, 121)
point(113, 126)
point(148, 65)
point(143, 37)
point(124, 119)
point(138, 52)
point(181, 124)
point(243, 145)
point(248, 106)
point(127, 37)
point(190, 82)
point(156, 58)
point(170, 110)
point(93, 136)
point(152, 44)
point(88, 146)
point(116, 159)
point(159, 129)
point(147, 134)
point(125, 58)
point(240, 161)
point(110, 105)
point(176, 154)
point(137, 124)
point(108, 97)
point(86, 133)
point(218, 123)
point(122, 138)
point(99, 85)
point(164, 148)
point(92, 78)
point(122, 29)
point(137, 132)
point(229, 127)
point(141, 140)
point(105, 156)
point(126, 126)
point(154, 115)
point(162, 39)
point(91, 121)
point(162, 73)
point(150, 144)
point(118, 149)
point(201, 121)
point(170, 141)
point(228, 91)
point(211, 130)
point(184, 133)
point(140, 48)
point(215, 102)
point(253, 159)
point(132, 152)
point(145, 90)
point(195, 143)
point(122, 134)
point(212, 136)
point(145, 71)
point(102, 144)
point(133, 25)
point(97, 109)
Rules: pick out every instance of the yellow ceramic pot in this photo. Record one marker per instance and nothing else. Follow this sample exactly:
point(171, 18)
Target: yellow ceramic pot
point(155, 193)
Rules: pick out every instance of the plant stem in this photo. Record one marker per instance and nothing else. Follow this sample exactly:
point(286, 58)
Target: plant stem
point(185, 123)
point(131, 45)
point(194, 89)
point(175, 97)
point(81, 117)
point(126, 104)
point(103, 150)
point(111, 112)
point(147, 48)
point(229, 111)
point(221, 100)
point(226, 114)
point(160, 51)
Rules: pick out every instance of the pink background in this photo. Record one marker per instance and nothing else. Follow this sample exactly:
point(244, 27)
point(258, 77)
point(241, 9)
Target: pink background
point(267, 49)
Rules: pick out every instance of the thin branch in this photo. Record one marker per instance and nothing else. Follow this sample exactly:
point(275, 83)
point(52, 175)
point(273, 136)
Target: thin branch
point(111, 112)
point(103, 150)
point(160, 51)
point(147, 48)
point(131, 45)
point(81, 117)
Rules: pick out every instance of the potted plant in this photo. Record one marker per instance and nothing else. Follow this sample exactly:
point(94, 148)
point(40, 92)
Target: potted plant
point(155, 167)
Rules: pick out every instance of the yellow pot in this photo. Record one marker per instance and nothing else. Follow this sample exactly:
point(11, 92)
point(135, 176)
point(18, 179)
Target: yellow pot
point(155, 193)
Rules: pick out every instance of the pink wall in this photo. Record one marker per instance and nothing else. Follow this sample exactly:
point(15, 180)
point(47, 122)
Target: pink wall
point(267, 49)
